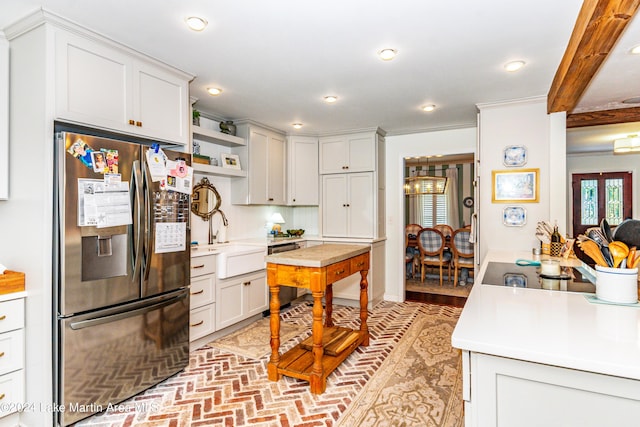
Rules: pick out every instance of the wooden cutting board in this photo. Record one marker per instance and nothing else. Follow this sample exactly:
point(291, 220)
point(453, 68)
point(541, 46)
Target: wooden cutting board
point(334, 340)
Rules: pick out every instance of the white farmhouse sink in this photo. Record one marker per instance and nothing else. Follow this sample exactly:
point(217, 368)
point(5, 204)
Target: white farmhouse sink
point(234, 260)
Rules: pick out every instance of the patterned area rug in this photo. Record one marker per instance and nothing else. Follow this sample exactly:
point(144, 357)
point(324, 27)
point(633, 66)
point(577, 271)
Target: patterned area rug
point(221, 388)
point(250, 342)
point(419, 384)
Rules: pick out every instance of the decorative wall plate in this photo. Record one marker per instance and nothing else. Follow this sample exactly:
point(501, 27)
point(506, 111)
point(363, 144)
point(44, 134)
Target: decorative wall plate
point(514, 216)
point(514, 155)
point(515, 280)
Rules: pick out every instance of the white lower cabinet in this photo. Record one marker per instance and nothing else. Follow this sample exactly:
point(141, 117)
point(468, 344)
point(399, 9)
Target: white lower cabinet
point(11, 356)
point(241, 297)
point(500, 391)
point(202, 297)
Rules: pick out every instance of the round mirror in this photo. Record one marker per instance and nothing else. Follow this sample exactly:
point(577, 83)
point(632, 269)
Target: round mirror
point(205, 200)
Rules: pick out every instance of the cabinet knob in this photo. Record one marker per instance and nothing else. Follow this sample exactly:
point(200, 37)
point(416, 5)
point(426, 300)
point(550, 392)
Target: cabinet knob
point(132, 122)
point(3, 317)
point(139, 124)
point(270, 199)
point(197, 324)
point(348, 205)
point(247, 283)
point(1, 353)
point(198, 292)
point(294, 200)
point(197, 266)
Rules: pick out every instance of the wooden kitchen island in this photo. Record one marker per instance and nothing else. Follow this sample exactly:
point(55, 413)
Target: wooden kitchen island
point(316, 268)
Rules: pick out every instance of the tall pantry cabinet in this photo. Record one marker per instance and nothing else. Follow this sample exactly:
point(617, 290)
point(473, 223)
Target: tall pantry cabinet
point(353, 193)
point(44, 90)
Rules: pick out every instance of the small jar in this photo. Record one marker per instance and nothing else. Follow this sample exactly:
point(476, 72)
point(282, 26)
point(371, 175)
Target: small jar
point(550, 267)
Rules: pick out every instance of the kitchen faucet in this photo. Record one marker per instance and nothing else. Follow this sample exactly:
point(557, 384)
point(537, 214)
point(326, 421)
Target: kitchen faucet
point(225, 223)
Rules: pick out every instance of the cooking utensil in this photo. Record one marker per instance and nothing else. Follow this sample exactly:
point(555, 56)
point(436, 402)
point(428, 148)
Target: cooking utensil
point(592, 250)
point(619, 251)
point(628, 232)
point(596, 234)
point(606, 229)
point(633, 259)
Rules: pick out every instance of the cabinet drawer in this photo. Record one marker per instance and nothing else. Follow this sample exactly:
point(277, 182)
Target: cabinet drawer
point(12, 392)
point(11, 351)
point(338, 271)
point(201, 322)
point(203, 265)
point(361, 262)
point(202, 291)
point(11, 315)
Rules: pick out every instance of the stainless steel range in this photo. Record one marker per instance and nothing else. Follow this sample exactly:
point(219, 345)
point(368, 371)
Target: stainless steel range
point(571, 279)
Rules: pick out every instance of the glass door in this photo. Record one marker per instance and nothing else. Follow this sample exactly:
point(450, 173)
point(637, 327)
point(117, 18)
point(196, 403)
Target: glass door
point(600, 195)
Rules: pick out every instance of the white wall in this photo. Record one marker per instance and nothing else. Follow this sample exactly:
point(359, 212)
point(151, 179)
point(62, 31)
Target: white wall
point(250, 221)
point(522, 122)
point(456, 141)
point(604, 162)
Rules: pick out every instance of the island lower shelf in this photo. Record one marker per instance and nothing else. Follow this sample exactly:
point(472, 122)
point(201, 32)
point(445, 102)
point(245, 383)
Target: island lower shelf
point(338, 344)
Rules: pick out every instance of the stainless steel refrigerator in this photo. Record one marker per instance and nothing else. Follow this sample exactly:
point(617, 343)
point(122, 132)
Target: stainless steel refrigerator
point(121, 271)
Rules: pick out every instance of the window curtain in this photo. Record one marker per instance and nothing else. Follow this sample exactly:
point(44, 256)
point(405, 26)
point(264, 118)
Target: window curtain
point(415, 210)
point(453, 210)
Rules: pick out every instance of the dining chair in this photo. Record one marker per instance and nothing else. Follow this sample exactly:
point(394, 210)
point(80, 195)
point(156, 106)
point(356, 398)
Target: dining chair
point(445, 229)
point(411, 247)
point(431, 244)
point(462, 251)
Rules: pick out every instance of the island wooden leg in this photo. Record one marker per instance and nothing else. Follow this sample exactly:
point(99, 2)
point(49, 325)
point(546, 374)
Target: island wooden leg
point(274, 325)
point(364, 302)
point(328, 302)
point(317, 380)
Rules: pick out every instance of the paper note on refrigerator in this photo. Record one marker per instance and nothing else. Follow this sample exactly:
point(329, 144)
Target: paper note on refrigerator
point(103, 205)
point(170, 237)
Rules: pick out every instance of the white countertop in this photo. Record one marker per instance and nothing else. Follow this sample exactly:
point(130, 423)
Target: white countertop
point(551, 327)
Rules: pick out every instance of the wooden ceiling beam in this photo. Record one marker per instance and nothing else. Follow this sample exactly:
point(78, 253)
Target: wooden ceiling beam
point(604, 117)
point(599, 24)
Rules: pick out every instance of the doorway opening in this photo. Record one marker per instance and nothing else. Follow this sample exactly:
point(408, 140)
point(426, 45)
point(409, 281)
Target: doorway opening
point(453, 208)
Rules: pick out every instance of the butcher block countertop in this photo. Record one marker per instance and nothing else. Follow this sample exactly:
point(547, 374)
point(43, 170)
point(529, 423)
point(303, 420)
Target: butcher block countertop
point(317, 256)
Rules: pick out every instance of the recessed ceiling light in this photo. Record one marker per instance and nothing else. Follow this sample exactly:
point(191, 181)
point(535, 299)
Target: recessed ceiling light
point(196, 23)
point(514, 66)
point(635, 50)
point(428, 108)
point(214, 91)
point(297, 125)
point(387, 54)
point(330, 99)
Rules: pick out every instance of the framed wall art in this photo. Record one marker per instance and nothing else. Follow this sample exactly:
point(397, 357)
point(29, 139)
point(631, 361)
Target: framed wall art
point(515, 186)
point(231, 161)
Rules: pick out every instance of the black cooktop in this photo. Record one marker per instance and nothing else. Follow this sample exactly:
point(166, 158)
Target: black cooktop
point(571, 279)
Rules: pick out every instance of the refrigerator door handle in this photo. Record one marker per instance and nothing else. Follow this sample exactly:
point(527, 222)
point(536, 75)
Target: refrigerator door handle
point(136, 177)
point(147, 223)
point(126, 314)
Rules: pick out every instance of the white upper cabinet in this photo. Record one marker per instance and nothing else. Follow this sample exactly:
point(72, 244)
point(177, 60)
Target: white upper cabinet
point(348, 202)
point(302, 171)
point(348, 153)
point(264, 158)
point(99, 85)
